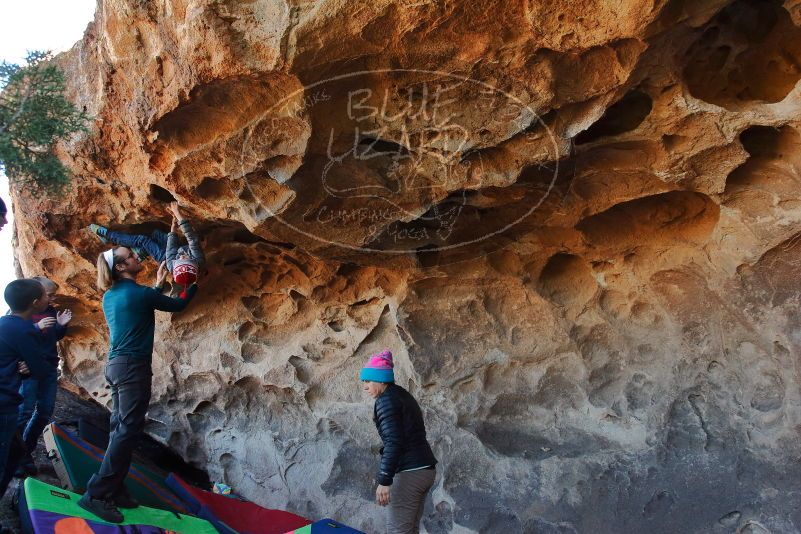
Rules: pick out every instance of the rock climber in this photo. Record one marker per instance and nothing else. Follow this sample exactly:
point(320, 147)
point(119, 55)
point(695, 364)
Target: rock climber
point(184, 262)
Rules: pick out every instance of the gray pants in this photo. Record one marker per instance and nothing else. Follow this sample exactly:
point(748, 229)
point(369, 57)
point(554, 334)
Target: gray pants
point(130, 380)
point(407, 496)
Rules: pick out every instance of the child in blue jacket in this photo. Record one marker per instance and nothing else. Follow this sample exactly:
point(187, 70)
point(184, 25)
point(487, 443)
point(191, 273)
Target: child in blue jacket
point(21, 350)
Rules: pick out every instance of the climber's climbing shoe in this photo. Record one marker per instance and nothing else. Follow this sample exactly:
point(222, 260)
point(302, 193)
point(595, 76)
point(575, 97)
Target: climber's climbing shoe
point(100, 231)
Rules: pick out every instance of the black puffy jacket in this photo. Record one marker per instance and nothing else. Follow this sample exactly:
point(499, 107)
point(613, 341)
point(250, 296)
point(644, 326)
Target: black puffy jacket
point(400, 424)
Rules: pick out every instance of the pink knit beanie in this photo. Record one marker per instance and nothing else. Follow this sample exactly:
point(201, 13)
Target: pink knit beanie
point(379, 368)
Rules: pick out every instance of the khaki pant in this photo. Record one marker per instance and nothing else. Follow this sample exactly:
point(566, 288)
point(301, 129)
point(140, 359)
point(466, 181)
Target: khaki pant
point(407, 496)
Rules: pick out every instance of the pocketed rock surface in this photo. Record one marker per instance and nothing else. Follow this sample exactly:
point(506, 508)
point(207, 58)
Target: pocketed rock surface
point(577, 225)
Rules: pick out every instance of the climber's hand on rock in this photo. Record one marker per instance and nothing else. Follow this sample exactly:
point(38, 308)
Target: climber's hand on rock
point(174, 225)
point(64, 317)
point(382, 495)
point(161, 275)
point(176, 211)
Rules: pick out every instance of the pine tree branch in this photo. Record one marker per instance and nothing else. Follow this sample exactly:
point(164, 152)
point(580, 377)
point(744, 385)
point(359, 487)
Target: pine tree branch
point(16, 115)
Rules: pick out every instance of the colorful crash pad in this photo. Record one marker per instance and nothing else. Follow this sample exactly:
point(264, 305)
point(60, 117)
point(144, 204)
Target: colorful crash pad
point(234, 516)
point(46, 509)
point(75, 461)
point(325, 526)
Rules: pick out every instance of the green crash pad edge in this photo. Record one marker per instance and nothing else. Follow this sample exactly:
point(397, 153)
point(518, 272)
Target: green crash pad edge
point(42, 496)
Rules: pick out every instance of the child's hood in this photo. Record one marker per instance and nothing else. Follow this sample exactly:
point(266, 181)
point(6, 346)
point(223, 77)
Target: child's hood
point(49, 312)
point(184, 249)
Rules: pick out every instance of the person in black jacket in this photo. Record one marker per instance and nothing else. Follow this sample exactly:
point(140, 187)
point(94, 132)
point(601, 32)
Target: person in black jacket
point(406, 456)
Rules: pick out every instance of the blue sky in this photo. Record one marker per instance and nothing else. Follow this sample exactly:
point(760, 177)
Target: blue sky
point(35, 25)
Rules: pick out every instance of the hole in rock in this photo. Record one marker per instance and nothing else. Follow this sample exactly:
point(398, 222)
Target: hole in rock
point(211, 188)
point(52, 265)
point(428, 256)
point(775, 154)
point(246, 330)
point(160, 194)
point(673, 142)
point(238, 258)
point(750, 52)
point(567, 279)
point(245, 237)
point(281, 168)
point(223, 235)
point(221, 107)
point(336, 326)
point(365, 302)
point(347, 268)
point(196, 454)
point(622, 116)
point(370, 145)
point(254, 352)
point(246, 195)
point(249, 384)
point(761, 140)
point(54, 224)
point(204, 417)
point(659, 219)
point(227, 460)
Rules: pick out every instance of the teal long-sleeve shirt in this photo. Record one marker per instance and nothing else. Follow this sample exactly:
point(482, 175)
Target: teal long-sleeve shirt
point(129, 309)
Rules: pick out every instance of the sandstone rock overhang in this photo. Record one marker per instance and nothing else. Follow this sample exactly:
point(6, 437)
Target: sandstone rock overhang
point(575, 224)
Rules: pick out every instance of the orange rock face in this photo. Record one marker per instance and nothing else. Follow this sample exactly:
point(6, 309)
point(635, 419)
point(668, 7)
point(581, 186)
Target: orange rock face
point(575, 224)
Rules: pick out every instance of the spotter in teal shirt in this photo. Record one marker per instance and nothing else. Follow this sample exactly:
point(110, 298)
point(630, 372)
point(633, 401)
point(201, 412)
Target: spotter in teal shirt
point(129, 310)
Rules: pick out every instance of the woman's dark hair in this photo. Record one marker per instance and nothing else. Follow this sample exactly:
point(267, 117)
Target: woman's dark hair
point(3, 208)
point(20, 294)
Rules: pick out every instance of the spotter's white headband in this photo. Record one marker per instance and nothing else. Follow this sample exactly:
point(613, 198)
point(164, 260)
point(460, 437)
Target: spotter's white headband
point(109, 257)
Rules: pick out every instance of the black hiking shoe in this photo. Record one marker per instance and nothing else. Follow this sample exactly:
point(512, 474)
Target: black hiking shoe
point(123, 499)
point(105, 510)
